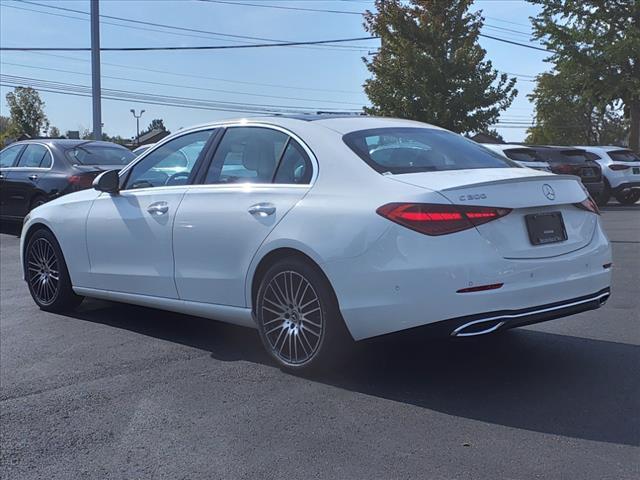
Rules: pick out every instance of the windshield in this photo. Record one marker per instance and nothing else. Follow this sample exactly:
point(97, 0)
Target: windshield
point(88, 154)
point(407, 150)
point(624, 156)
point(576, 156)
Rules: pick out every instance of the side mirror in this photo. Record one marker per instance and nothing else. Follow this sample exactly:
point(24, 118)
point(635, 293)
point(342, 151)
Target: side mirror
point(108, 181)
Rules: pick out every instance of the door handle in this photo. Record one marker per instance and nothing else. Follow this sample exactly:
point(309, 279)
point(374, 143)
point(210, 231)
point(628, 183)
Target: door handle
point(262, 209)
point(158, 208)
point(33, 177)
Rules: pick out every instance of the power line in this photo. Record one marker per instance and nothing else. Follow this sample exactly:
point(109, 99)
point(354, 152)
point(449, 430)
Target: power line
point(14, 80)
point(281, 7)
point(161, 25)
point(187, 75)
point(192, 47)
point(184, 86)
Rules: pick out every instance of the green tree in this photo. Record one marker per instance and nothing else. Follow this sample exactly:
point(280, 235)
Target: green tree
point(54, 132)
point(156, 124)
point(596, 48)
point(27, 111)
point(564, 116)
point(431, 68)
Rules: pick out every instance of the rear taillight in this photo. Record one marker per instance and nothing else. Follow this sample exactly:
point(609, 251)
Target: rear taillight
point(437, 219)
point(83, 180)
point(619, 167)
point(589, 205)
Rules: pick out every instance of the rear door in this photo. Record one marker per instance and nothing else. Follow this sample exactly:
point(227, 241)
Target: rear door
point(129, 234)
point(8, 159)
point(22, 182)
point(255, 177)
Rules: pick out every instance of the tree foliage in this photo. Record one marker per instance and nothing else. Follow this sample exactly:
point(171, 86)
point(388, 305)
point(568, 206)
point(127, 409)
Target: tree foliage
point(564, 116)
point(156, 124)
point(27, 112)
point(431, 68)
point(596, 45)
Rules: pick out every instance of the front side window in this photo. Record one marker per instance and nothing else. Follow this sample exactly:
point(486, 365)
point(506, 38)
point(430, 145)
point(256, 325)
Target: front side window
point(9, 155)
point(96, 154)
point(247, 154)
point(33, 156)
point(408, 150)
point(171, 163)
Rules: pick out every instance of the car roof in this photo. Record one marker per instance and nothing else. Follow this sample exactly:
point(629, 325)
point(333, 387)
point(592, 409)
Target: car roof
point(604, 148)
point(66, 142)
point(339, 123)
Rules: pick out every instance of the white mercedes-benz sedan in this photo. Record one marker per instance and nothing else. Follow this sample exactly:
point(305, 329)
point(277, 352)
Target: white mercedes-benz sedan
point(318, 230)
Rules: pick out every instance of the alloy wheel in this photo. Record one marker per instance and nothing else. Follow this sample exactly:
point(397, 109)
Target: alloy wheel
point(292, 318)
point(43, 271)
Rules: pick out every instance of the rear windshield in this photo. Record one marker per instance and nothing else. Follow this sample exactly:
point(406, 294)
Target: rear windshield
point(88, 154)
point(576, 156)
point(523, 155)
point(624, 156)
point(407, 150)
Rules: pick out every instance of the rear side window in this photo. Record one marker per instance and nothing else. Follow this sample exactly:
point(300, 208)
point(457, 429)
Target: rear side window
point(295, 166)
point(523, 155)
point(9, 155)
point(624, 156)
point(33, 156)
point(247, 155)
point(407, 150)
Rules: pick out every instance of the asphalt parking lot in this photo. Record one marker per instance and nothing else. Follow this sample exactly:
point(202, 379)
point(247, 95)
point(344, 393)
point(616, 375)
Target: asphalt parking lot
point(122, 392)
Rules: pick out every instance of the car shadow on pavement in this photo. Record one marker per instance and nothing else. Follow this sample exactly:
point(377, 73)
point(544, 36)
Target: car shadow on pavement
point(10, 228)
point(544, 382)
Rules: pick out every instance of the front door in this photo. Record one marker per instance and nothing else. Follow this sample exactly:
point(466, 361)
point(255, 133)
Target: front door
point(256, 176)
point(21, 182)
point(130, 234)
point(8, 159)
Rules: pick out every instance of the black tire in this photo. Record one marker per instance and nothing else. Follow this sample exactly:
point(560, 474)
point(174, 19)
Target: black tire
point(628, 197)
point(37, 201)
point(44, 263)
point(309, 335)
point(605, 195)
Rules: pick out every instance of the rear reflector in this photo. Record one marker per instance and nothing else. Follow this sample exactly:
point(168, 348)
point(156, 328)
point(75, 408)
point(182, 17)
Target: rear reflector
point(481, 288)
point(589, 205)
point(436, 219)
point(619, 167)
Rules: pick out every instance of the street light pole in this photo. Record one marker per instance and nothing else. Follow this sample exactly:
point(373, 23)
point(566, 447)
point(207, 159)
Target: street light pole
point(137, 124)
point(95, 70)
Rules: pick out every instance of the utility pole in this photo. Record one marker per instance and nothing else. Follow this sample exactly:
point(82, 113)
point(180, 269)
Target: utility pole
point(95, 70)
point(137, 124)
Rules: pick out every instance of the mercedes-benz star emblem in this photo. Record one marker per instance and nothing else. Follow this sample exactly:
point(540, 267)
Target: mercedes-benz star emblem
point(548, 191)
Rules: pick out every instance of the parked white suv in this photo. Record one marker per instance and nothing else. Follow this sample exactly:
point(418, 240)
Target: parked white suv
point(621, 170)
point(525, 156)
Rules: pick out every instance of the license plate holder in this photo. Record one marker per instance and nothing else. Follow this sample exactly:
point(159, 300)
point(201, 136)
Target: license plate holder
point(545, 228)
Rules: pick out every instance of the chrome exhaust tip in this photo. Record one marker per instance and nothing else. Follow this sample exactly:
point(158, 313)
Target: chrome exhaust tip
point(477, 327)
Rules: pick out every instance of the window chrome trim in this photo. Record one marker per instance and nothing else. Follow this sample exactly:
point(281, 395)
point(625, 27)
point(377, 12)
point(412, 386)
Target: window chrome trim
point(232, 124)
point(27, 143)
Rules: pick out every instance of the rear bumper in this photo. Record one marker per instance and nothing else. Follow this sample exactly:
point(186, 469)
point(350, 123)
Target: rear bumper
point(406, 281)
point(625, 186)
point(595, 188)
point(493, 321)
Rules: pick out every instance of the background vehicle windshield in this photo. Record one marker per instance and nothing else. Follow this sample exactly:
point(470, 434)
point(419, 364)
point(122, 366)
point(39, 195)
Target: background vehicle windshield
point(99, 155)
point(624, 156)
point(406, 150)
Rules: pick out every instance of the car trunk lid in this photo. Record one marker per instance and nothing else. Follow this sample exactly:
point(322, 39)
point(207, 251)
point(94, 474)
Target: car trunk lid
point(524, 191)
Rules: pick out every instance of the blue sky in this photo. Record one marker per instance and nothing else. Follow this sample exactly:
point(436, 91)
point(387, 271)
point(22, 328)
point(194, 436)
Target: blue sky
point(317, 77)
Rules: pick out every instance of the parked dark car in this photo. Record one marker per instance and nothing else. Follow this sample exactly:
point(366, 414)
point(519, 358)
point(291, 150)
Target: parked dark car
point(573, 161)
point(33, 172)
